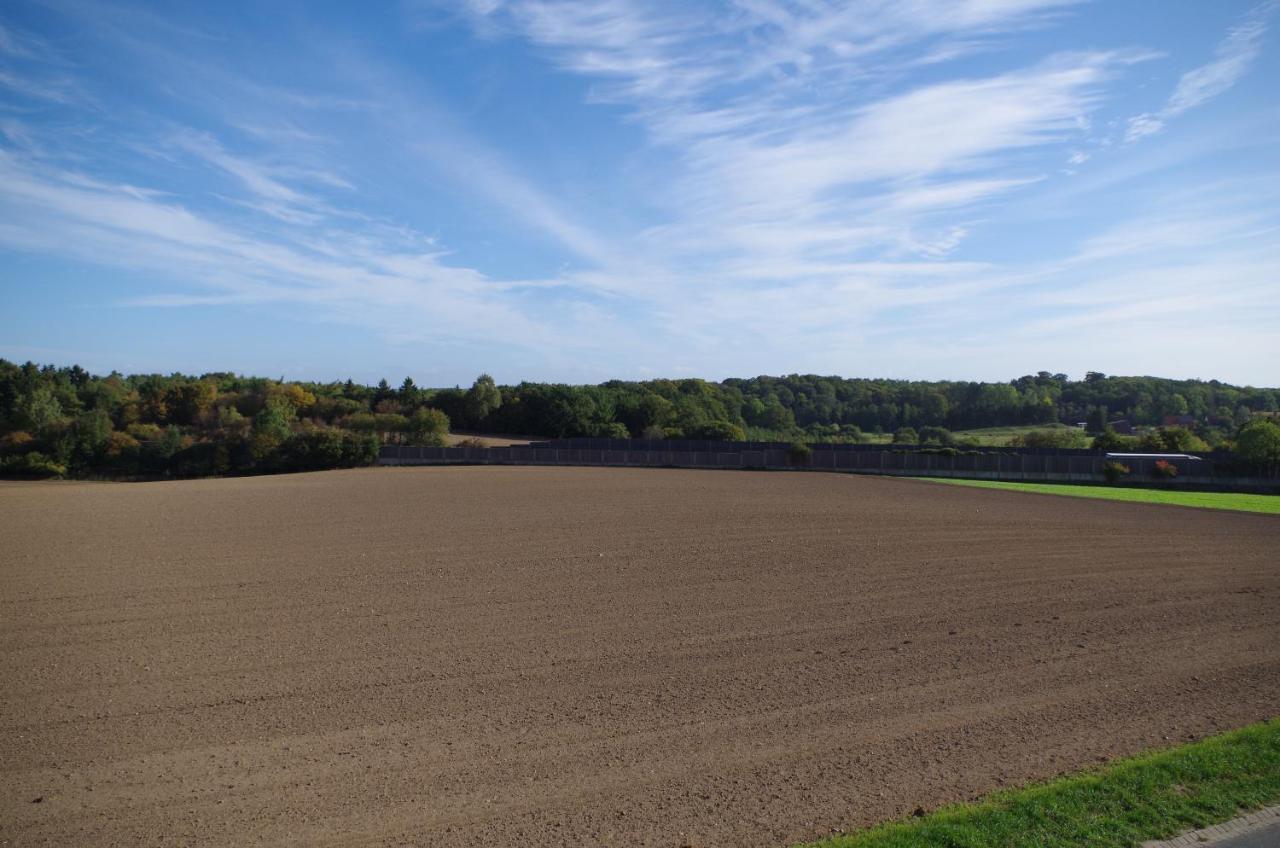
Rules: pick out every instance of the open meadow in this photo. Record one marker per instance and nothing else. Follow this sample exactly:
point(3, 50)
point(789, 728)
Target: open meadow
point(510, 656)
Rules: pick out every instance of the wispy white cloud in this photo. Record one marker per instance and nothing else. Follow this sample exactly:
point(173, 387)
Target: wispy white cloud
point(54, 90)
point(787, 162)
point(257, 178)
point(1233, 57)
point(804, 187)
point(32, 70)
point(22, 45)
point(817, 176)
point(391, 283)
point(487, 172)
point(669, 52)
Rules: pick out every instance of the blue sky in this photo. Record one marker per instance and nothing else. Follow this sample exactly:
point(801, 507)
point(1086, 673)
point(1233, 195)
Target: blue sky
point(568, 191)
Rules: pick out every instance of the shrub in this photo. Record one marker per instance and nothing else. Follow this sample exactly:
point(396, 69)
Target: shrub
point(324, 448)
point(722, 431)
point(906, 436)
point(230, 419)
point(157, 452)
point(799, 453)
point(119, 444)
point(1110, 440)
point(936, 436)
point(1173, 440)
point(1065, 437)
point(363, 422)
point(367, 422)
point(471, 443)
point(272, 421)
point(1259, 442)
point(33, 464)
point(58, 441)
point(391, 423)
point(1113, 471)
point(202, 459)
point(1165, 469)
point(15, 442)
point(428, 427)
point(91, 431)
point(145, 432)
point(262, 449)
point(37, 409)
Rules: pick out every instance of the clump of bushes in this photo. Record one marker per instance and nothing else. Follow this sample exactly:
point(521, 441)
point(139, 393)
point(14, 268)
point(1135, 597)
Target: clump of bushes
point(16, 442)
point(1172, 440)
point(933, 451)
point(1065, 437)
point(1110, 440)
point(427, 427)
point(799, 453)
point(1259, 442)
point(719, 431)
point(32, 464)
point(1164, 469)
point(326, 449)
point(830, 434)
point(955, 451)
point(936, 436)
point(1113, 471)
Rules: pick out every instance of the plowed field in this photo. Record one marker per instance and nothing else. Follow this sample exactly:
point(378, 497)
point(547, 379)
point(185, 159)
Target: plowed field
point(551, 656)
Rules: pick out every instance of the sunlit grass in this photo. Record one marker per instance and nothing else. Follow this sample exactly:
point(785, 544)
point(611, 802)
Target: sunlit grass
point(1154, 796)
point(1245, 502)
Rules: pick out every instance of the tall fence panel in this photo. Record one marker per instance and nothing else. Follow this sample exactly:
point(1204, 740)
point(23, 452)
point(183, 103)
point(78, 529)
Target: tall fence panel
point(1215, 472)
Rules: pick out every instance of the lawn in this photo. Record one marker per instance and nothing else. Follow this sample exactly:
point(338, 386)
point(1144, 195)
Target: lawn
point(1154, 796)
point(1207, 500)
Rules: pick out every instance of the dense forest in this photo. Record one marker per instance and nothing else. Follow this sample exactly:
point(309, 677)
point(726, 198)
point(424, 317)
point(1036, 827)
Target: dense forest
point(68, 422)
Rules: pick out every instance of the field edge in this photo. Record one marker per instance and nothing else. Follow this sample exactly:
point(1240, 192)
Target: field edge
point(1156, 795)
point(1259, 504)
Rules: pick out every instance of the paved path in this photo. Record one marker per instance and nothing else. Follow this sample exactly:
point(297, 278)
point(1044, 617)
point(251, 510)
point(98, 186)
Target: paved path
point(1256, 830)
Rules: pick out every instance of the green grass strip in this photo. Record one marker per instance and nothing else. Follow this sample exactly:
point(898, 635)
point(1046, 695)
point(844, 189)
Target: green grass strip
point(1153, 796)
point(1207, 500)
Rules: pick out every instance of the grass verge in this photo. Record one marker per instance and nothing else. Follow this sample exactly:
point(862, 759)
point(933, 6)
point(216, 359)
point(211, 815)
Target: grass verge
point(1239, 501)
point(1154, 796)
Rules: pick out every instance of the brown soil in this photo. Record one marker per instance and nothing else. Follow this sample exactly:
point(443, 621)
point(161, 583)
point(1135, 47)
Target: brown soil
point(551, 656)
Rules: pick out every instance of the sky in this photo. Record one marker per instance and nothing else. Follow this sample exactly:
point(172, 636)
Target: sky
point(632, 189)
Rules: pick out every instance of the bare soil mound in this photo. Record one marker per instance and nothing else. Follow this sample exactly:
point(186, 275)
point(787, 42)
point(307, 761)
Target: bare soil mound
point(551, 656)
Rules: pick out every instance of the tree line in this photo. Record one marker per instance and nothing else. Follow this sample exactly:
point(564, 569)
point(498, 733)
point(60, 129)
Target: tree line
point(68, 422)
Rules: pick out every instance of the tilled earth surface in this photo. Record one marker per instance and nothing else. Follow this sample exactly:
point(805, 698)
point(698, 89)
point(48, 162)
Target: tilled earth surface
point(570, 656)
